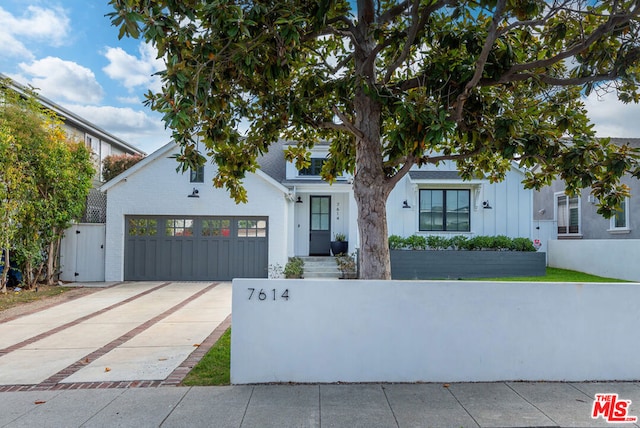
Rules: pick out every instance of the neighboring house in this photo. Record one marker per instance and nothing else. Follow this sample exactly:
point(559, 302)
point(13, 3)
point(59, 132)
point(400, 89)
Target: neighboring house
point(162, 225)
point(560, 216)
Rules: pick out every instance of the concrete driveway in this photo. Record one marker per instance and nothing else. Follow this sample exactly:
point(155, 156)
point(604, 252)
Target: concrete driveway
point(134, 333)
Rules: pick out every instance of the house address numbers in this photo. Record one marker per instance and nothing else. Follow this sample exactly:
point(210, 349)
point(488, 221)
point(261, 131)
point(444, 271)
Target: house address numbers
point(271, 295)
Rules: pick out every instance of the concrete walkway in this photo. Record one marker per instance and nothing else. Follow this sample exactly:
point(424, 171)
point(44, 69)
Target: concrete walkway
point(132, 332)
point(369, 405)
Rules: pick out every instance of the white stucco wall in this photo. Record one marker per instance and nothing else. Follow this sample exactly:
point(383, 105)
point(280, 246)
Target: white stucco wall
point(610, 258)
point(432, 331)
point(157, 189)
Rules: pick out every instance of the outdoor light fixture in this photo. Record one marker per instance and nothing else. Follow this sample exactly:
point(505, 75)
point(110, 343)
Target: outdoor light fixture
point(486, 206)
point(405, 204)
point(194, 193)
point(299, 200)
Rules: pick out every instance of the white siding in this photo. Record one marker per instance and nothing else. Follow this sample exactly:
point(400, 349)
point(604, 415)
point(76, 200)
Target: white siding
point(156, 189)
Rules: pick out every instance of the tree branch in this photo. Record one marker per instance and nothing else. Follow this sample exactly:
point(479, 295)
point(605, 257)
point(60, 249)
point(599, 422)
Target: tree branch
point(436, 159)
point(492, 35)
point(418, 22)
point(395, 178)
point(551, 80)
point(392, 13)
point(347, 124)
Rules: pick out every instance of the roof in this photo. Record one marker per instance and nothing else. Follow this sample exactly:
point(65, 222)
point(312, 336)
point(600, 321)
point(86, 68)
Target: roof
point(76, 121)
point(434, 175)
point(163, 151)
point(633, 142)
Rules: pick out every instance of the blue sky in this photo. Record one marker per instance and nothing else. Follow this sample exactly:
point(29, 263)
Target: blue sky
point(71, 53)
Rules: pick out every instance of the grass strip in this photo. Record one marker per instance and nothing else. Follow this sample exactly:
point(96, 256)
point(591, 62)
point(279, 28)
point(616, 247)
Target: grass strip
point(215, 367)
point(557, 275)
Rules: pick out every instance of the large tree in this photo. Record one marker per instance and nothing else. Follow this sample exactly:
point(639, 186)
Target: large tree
point(44, 181)
point(392, 84)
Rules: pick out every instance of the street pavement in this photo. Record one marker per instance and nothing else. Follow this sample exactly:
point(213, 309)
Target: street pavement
point(115, 358)
point(511, 404)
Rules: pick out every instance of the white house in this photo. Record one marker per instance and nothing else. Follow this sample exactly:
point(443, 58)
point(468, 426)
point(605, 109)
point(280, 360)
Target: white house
point(163, 225)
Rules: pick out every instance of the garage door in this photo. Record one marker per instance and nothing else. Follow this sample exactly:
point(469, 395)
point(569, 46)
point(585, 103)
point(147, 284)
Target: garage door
point(188, 248)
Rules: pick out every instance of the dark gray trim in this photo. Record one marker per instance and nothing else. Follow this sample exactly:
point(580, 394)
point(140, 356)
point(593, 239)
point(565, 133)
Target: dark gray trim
point(409, 264)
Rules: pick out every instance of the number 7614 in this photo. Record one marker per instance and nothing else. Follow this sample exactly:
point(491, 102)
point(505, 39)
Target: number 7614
point(272, 294)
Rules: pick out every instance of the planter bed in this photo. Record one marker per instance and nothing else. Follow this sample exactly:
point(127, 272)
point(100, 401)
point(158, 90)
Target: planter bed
point(451, 264)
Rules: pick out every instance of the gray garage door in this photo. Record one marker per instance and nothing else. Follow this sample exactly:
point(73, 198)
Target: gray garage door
point(188, 248)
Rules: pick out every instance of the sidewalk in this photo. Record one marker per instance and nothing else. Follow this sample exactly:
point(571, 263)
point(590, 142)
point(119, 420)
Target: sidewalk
point(510, 404)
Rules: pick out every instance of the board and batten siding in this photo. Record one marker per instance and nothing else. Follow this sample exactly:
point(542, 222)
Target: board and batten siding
point(511, 213)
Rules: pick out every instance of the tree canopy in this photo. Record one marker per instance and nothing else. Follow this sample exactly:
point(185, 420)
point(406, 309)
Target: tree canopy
point(44, 182)
point(393, 84)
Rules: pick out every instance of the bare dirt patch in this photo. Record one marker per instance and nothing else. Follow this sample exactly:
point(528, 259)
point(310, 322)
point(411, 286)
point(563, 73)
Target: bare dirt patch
point(14, 305)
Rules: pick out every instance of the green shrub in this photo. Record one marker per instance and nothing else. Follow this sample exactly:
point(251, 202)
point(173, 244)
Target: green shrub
point(416, 242)
point(396, 242)
point(459, 242)
point(522, 244)
point(501, 243)
point(438, 242)
point(294, 268)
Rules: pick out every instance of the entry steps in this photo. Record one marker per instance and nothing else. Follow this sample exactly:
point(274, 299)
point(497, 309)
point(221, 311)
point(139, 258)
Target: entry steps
point(321, 267)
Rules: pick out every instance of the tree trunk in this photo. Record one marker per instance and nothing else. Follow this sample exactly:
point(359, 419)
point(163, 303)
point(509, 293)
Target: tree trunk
point(370, 186)
point(5, 272)
point(52, 259)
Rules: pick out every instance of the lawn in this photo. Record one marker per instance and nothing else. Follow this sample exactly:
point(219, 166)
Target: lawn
point(558, 275)
point(215, 366)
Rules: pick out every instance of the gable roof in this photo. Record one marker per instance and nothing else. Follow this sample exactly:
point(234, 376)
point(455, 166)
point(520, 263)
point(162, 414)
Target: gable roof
point(162, 152)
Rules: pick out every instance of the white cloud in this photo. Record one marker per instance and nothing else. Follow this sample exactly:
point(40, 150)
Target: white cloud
point(132, 71)
point(129, 100)
point(613, 118)
point(135, 127)
point(46, 26)
point(63, 80)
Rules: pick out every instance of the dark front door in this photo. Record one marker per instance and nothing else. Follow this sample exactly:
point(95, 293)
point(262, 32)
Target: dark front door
point(320, 230)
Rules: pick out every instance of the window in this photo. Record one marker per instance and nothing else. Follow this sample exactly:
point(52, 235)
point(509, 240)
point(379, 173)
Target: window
point(179, 227)
point(620, 218)
point(197, 175)
point(314, 168)
point(142, 227)
point(252, 228)
point(216, 227)
point(445, 210)
point(568, 214)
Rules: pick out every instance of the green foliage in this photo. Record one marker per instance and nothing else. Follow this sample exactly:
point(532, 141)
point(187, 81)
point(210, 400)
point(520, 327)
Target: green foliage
point(215, 367)
point(393, 85)
point(340, 237)
point(396, 242)
point(115, 164)
point(44, 178)
point(460, 242)
point(435, 242)
point(416, 242)
point(522, 244)
point(294, 268)
point(347, 265)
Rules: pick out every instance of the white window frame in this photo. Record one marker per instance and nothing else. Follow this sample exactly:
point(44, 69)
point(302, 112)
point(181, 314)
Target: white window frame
point(612, 221)
point(557, 196)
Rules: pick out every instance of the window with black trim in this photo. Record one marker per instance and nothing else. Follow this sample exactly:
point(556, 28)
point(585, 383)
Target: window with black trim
point(197, 175)
point(314, 169)
point(445, 210)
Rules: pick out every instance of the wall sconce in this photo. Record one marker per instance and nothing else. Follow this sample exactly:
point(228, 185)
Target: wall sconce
point(299, 200)
point(405, 204)
point(486, 206)
point(194, 194)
